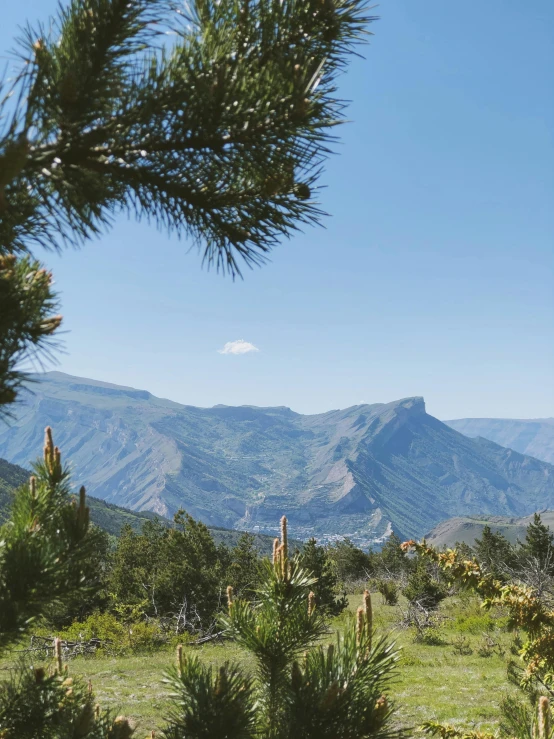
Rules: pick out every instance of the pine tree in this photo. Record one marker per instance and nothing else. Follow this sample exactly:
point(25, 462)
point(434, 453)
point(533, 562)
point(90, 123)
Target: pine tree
point(244, 569)
point(314, 559)
point(539, 542)
point(422, 587)
point(494, 552)
point(392, 557)
point(45, 551)
point(219, 136)
point(300, 690)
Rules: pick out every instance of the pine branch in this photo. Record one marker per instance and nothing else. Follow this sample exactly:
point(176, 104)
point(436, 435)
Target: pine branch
point(220, 135)
point(27, 321)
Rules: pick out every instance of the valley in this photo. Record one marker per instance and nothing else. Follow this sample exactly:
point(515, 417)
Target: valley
point(360, 472)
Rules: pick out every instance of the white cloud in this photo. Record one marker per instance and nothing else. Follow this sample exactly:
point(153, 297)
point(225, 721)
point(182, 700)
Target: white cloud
point(238, 347)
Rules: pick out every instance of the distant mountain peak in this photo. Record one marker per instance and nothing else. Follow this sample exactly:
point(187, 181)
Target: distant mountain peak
point(359, 472)
point(531, 436)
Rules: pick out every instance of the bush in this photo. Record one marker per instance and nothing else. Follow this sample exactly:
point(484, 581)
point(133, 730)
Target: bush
point(477, 623)
point(432, 637)
point(389, 591)
point(115, 635)
point(422, 588)
point(301, 688)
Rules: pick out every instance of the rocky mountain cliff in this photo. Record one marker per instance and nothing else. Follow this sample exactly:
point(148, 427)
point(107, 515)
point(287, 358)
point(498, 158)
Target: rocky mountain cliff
point(528, 436)
point(358, 472)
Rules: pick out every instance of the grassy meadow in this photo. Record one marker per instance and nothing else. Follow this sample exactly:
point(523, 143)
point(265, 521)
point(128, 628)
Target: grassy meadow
point(456, 679)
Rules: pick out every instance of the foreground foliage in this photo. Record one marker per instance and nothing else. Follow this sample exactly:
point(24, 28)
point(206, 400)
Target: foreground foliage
point(218, 134)
point(44, 549)
point(300, 690)
point(527, 610)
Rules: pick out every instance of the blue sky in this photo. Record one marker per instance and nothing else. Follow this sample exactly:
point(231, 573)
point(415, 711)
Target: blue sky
point(433, 276)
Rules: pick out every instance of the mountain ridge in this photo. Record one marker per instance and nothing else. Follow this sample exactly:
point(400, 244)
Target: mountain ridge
point(531, 436)
point(465, 529)
point(360, 472)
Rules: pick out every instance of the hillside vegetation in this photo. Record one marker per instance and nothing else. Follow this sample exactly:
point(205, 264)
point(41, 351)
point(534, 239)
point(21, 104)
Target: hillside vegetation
point(112, 518)
point(466, 529)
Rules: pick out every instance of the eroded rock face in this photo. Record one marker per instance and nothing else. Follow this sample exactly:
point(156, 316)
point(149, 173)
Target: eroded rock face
point(357, 472)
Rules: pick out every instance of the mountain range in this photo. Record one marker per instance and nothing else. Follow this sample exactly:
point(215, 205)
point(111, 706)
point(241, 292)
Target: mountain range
point(359, 472)
point(534, 436)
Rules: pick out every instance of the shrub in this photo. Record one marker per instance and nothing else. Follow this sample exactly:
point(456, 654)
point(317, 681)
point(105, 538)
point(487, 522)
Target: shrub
point(432, 637)
point(462, 646)
point(422, 588)
point(389, 591)
point(477, 623)
point(116, 636)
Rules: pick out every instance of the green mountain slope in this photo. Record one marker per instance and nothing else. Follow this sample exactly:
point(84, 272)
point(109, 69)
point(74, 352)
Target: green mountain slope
point(357, 472)
point(107, 516)
point(527, 436)
point(110, 517)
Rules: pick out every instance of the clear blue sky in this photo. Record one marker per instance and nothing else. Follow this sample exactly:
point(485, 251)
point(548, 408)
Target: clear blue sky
point(434, 276)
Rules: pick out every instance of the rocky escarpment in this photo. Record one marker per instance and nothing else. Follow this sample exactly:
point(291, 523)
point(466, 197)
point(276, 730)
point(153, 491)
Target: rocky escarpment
point(357, 472)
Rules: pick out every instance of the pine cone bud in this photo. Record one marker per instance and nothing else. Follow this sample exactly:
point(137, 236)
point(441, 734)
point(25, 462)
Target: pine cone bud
point(368, 612)
point(221, 682)
point(381, 709)
point(84, 723)
point(544, 718)
point(302, 191)
point(121, 729)
point(58, 655)
point(180, 659)
point(360, 623)
point(311, 603)
point(275, 551)
point(284, 536)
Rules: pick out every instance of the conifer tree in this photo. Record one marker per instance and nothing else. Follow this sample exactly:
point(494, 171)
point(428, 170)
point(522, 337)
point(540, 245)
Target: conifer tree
point(45, 549)
point(300, 690)
point(494, 552)
point(315, 559)
point(219, 135)
point(539, 542)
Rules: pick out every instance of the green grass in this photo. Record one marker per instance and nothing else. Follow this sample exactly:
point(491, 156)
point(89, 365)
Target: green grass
point(433, 682)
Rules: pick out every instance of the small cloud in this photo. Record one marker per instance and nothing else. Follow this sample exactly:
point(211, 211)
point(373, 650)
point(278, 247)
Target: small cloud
point(238, 347)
